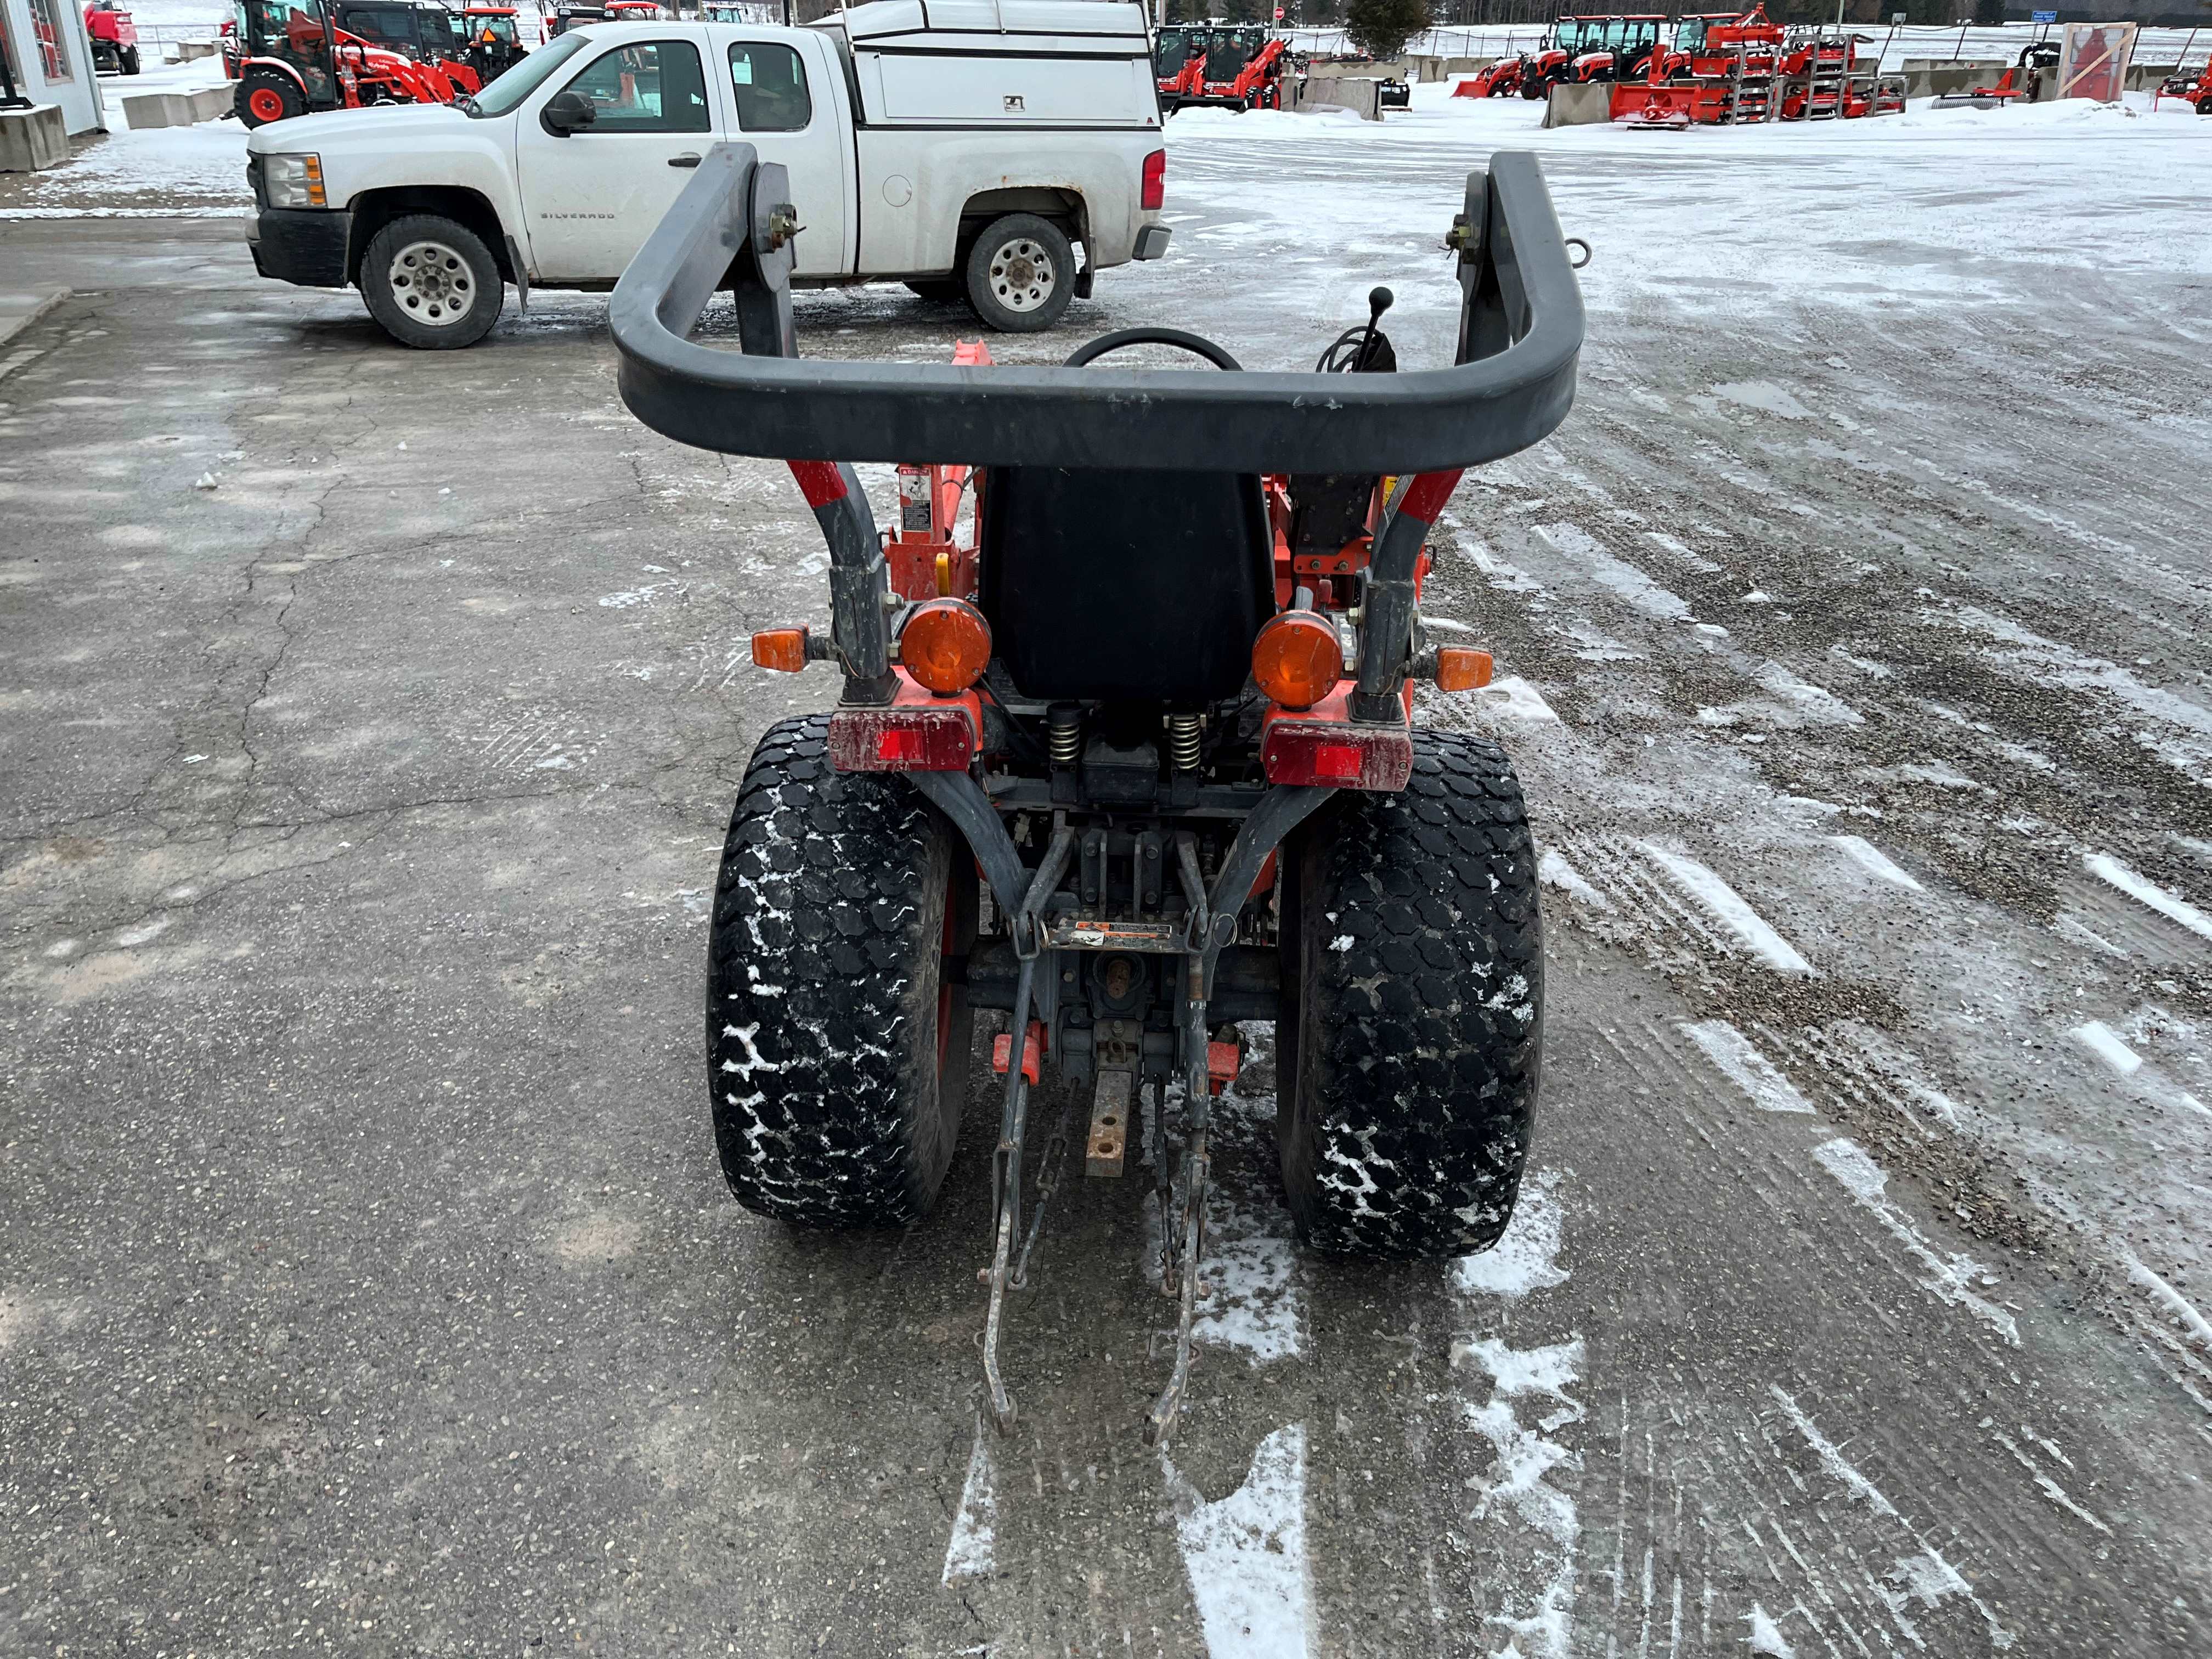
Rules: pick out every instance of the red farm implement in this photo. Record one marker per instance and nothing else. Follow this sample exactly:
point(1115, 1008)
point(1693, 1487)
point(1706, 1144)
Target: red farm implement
point(114, 38)
point(1727, 69)
point(2022, 84)
point(2194, 90)
point(1122, 756)
point(290, 57)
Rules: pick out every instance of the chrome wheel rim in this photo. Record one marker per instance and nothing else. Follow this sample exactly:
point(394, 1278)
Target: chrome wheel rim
point(432, 283)
point(1023, 276)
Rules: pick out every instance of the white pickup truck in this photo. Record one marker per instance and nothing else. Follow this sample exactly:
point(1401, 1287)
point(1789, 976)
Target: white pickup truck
point(963, 147)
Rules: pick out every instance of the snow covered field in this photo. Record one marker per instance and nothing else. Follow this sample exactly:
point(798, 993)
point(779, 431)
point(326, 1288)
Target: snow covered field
point(1851, 646)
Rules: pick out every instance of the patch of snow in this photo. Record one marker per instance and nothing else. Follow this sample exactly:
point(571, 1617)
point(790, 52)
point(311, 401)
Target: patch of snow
point(1553, 870)
point(1526, 1256)
point(1622, 579)
point(1246, 1553)
point(2110, 869)
point(1870, 859)
point(2102, 1041)
point(1741, 1063)
point(1765, 1636)
point(1764, 395)
point(1728, 907)
point(970, 1551)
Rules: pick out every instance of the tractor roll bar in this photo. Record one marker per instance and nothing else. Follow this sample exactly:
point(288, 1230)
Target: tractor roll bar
point(1521, 332)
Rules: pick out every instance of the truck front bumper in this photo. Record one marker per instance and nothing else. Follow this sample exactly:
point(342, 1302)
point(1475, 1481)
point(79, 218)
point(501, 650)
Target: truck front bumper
point(306, 245)
point(1152, 242)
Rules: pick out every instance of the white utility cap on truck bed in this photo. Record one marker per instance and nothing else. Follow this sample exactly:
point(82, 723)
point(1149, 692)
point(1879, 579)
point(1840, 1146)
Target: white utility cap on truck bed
point(1069, 21)
point(1001, 62)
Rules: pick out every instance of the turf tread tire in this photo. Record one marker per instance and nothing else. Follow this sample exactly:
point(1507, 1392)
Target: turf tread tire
point(1414, 987)
point(823, 982)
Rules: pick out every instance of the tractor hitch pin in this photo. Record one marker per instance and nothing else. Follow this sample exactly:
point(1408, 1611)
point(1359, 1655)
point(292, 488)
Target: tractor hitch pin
point(1007, 1165)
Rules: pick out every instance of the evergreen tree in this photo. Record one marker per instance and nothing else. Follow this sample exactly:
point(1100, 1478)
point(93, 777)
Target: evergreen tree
point(1381, 27)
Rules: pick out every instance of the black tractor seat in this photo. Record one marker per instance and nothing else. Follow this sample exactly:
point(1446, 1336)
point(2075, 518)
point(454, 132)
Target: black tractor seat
point(1125, 586)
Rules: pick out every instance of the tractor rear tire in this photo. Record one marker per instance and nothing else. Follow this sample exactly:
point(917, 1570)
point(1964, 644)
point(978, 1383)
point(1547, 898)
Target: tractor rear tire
point(1021, 274)
point(838, 1029)
point(130, 60)
point(263, 96)
point(431, 283)
point(1411, 1038)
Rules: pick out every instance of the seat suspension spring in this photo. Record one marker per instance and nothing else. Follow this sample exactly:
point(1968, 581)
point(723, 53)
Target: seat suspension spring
point(1182, 741)
point(1064, 734)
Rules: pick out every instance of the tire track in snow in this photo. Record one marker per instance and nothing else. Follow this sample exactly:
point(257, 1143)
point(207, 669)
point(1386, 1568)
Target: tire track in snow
point(1728, 907)
point(1521, 1517)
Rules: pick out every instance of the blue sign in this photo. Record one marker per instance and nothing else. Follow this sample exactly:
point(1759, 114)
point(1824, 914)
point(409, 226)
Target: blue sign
point(2043, 17)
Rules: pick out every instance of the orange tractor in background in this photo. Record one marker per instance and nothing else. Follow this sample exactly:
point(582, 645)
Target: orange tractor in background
point(290, 57)
point(1207, 67)
point(1727, 69)
point(1579, 50)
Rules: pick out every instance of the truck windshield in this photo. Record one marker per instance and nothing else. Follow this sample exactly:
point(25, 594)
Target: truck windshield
point(525, 78)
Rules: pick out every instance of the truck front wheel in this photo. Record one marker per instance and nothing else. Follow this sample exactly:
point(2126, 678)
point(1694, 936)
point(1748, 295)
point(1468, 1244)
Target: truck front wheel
point(1021, 274)
point(431, 283)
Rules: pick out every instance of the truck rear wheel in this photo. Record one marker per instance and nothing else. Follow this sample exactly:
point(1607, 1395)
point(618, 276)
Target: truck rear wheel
point(1021, 274)
point(431, 283)
point(837, 1026)
point(1411, 1036)
point(263, 96)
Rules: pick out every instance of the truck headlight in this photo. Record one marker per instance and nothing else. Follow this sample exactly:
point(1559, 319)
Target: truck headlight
point(294, 182)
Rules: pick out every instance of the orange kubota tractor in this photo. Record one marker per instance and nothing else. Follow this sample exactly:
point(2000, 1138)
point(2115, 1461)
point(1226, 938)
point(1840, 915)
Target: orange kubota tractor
point(1220, 68)
point(1610, 47)
point(1129, 761)
point(290, 57)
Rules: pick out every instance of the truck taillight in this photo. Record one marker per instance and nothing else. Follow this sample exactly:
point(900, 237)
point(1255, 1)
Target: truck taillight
point(905, 739)
point(1339, 756)
point(1155, 196)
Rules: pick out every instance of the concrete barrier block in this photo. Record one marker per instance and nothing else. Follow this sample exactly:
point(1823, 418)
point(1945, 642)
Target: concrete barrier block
point(33, 139)
point(1361, 96)
point(189, 50)
point(175, 109)
point(1578, 105)
point(143, 110)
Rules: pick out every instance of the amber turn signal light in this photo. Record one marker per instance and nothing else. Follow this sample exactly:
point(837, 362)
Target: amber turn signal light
point(1298, 659)
point(1462, 668)
point(783, 649)
point(945, 644)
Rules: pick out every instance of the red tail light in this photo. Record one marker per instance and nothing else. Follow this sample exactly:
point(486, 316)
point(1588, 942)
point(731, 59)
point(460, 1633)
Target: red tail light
point(902, 739)
point(1340, 756)
point(1155, 196)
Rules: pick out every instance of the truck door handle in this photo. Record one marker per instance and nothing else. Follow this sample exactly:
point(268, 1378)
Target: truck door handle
point(688, 159)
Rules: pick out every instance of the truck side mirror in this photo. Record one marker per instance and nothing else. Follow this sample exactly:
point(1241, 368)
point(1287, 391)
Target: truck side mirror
point(566, 113)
